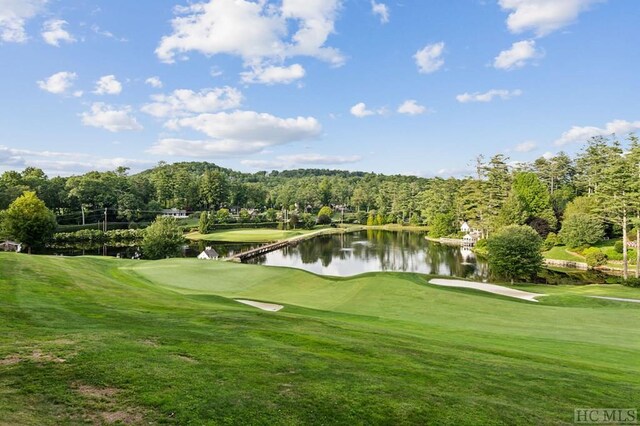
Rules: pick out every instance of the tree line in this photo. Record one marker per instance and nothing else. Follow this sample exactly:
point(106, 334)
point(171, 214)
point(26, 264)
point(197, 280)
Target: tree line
point(571, 200)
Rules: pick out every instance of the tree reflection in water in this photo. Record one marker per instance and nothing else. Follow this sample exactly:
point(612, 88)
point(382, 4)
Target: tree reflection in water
point(376, 250)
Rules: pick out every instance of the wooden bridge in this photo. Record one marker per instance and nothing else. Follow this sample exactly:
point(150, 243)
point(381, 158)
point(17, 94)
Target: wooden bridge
point(259, 251)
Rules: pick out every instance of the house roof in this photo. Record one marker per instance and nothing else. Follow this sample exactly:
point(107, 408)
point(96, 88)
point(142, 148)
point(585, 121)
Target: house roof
point(210, 252)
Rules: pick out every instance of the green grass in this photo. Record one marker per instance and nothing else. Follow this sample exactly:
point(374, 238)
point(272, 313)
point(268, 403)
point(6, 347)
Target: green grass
point(561, 253)
point(248, 235)
point(607, 247)
point(162, 342)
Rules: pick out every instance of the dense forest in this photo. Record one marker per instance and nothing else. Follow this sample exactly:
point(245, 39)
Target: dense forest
point(601, 182)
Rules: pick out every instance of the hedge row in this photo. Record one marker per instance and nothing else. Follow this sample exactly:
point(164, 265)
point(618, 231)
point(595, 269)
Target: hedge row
point(99, 226)
point(97, 236)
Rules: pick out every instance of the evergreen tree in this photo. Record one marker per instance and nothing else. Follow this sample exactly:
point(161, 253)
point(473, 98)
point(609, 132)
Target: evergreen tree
point(617, 195)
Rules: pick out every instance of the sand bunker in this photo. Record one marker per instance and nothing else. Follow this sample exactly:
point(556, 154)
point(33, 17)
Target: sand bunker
point(617, 299)
point(490, 288)
point(260, 305)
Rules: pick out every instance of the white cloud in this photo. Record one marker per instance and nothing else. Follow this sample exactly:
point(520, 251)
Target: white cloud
point(59, 83)
point(411, 107)
point(184, 102)
point(65, 163)
point(518, 55)
point(289, 161)
point(582, 134)
point(14, 15)
point(360, 110)
point(319, 159)
point(11, 158)
point(543, 16)
point(108, 34)
point(380, 9)
point(110, 118)
point(238, 132)
point(525, 147)
point(262, 33)
point(53, 32)
point(154, 82)
point(488, 96)
point(429, 58)
point(108, 85)
point(215, 71)
point(548, 155)
point(274, 74)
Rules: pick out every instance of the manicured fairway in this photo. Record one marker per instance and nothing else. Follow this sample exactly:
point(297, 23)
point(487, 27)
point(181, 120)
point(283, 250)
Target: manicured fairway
point(94, 339)
point(248, 235)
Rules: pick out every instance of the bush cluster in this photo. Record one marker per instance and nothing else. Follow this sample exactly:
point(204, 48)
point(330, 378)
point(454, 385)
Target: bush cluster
point(595, 257)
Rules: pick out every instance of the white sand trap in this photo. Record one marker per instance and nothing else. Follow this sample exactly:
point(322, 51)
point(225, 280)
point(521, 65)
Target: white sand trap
point(617, 299)
point(490, 288)
point(264, 306)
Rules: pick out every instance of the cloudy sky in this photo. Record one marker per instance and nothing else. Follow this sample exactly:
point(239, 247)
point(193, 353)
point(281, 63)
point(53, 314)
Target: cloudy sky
point(391, 86)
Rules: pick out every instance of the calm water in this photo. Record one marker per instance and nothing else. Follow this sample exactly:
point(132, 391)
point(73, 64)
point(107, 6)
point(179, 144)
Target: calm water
point(371, 251)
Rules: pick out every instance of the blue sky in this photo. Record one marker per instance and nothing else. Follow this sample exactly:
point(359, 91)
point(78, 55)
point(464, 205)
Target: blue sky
point(413, 86)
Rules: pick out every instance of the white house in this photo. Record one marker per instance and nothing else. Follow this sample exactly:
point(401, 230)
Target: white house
point(465, 227)
point(468, 240)
point(208, 254)
point(11, 246)
point(178, 214)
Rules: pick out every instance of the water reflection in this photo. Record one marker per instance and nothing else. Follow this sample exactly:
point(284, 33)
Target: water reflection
point(374, 250)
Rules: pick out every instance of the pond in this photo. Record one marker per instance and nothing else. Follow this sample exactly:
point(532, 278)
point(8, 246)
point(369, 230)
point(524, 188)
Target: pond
point(373, 250)
point(352, 254)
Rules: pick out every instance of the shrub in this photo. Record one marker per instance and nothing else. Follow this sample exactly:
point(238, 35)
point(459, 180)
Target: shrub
point(244, 216)
point(632, 282)
point(481, 247)
point(223, 216)
point(514, 253)
point(324, 215)
point(371, 220)
point(203, 224)
point(308, 220)
point(551, 241)
point(595, 257)
point(618, 247)
point(162, 239)
point(581, 229)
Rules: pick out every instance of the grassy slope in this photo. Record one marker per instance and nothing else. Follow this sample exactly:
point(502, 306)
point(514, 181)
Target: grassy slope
point(381, 348)
point(561, 253)
point(247, 235)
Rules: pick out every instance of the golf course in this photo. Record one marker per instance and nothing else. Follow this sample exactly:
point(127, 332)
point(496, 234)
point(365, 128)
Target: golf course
point(91, 340)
